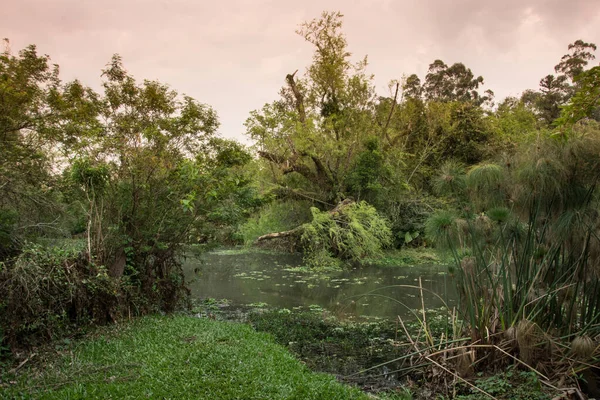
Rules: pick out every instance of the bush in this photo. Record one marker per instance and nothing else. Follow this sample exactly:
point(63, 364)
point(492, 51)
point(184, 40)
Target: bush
point(407, 216)
point(47, 292)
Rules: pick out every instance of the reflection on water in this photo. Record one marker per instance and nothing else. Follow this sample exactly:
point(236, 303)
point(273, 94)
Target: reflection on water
point(258, 277)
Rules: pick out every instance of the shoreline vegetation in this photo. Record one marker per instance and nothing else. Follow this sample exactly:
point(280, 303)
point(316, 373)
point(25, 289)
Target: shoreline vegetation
point(220, 352)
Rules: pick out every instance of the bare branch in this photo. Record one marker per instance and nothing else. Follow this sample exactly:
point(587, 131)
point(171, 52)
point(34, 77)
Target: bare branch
point(299, 97)
point(387, 123)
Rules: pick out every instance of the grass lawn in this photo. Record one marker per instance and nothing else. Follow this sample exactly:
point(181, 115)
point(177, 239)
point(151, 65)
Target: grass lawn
point(177, 357)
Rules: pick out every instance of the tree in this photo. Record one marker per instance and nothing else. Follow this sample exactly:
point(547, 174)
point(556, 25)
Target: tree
point(574, 63)
point(454, 83)
point(369, 175)
point(586, 102)
point(319, 124)
point(38, 113)
point(556, 90)
point(145, 188)
point(412, 87)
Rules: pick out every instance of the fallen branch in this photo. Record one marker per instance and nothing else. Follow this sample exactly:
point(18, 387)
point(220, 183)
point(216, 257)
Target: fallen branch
point(18, 367)
point(298, 230)
point(278, 235)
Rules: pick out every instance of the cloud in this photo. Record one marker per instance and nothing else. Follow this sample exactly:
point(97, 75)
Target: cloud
point(234, 54)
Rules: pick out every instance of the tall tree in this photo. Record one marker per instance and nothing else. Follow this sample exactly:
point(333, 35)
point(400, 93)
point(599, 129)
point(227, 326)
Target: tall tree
point(38, 114)
point(453, 83)
point(574, 63)
point(556, 90)
point(312, 134)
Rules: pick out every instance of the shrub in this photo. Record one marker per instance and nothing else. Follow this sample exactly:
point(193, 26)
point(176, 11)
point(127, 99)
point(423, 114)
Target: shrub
point(47, 291)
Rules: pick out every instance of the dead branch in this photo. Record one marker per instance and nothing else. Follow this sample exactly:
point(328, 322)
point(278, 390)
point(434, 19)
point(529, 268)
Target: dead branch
point(278, 235)
point(299, 97)
point(387, 123)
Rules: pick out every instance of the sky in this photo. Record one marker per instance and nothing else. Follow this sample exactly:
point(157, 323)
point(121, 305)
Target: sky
point(234, 54)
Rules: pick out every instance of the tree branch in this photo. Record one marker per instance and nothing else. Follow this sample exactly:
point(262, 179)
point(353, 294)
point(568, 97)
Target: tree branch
point(277, 159)
point(278, 235)
point(299, 97)
point(387, 123)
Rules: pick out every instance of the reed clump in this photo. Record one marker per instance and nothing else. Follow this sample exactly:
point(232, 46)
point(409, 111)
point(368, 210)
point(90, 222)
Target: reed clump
point(525, 240)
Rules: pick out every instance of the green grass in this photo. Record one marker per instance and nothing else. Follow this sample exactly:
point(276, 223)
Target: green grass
point(178, 357)
point(406, 257)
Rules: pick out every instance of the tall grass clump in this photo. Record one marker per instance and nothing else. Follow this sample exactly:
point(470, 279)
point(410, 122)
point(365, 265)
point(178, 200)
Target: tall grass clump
point(526, 251)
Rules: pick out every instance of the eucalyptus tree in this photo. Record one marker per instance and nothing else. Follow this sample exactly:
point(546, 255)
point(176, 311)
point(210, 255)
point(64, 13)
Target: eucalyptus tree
point(454, 83)
point(556, 90)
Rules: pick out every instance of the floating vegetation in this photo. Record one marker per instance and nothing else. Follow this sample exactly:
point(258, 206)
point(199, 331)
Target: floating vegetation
point(242, 250)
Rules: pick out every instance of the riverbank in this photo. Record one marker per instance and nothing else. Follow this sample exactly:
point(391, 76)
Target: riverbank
point(275, 354)
point(376, 354)
point(178, 357)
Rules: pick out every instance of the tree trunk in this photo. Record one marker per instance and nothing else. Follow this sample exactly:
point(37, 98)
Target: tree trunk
point(278, 235)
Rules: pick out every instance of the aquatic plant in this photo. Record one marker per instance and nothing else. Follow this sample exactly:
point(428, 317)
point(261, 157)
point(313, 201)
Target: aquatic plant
point(526, 254)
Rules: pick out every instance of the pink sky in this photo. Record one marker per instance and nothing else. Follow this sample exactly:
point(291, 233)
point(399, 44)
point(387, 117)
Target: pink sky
point(234, 54)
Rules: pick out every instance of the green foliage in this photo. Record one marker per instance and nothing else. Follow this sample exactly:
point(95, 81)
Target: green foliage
point(407, 214)
point(515, 121)
point(230, 195)
point(441, 227)
point(525, 248)
point(51, 291)
point(451, 179)
point(556, 91)
point(513, 384)
point(453, 83)
point(586, 102)
point(177, 357)
point(314, 130)
point(407, 257)
point(573, 64)
point(33, 124)
point(369, 175)
point(91, 178)
point(275, 217)
point(144, 175)
point(351, 232)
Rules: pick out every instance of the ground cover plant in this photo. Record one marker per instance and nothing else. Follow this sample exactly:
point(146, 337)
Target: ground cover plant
point(177, 357)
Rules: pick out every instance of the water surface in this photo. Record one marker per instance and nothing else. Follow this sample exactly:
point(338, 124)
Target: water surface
point(254, 277)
